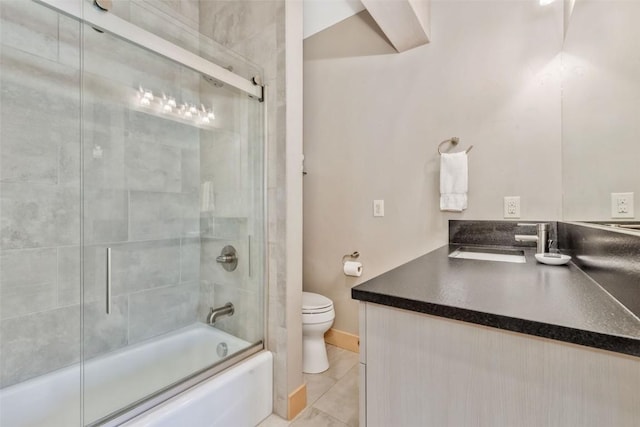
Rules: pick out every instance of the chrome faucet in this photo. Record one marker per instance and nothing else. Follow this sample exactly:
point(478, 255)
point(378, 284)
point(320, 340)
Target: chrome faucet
point(541, 238)
point(225, 310)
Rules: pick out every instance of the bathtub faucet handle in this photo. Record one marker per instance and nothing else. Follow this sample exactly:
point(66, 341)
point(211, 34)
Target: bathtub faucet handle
point(228, 258)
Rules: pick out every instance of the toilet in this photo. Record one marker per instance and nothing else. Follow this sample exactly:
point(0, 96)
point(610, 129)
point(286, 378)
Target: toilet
point(317, 318)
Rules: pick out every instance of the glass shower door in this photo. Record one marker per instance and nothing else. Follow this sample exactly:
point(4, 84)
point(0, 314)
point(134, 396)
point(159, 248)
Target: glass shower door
point(40, 294)
point(172, 174)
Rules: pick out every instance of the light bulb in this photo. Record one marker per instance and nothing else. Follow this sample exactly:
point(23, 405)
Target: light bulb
point(167, 108)
point(210, 115)
point(172, 102)
point(148, 95)
point(144, 101)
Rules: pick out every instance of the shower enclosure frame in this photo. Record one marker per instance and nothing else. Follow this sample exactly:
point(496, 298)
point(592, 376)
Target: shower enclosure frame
point(107, 22)
point(137, 408)
point(111, 24)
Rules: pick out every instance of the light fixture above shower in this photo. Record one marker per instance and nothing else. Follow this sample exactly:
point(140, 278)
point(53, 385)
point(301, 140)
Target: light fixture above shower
point(166, 106)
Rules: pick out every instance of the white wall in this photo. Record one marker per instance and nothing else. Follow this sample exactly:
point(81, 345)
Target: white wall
point(601, 110)
point(321, 14)
point(372, 124)
point(293, 164)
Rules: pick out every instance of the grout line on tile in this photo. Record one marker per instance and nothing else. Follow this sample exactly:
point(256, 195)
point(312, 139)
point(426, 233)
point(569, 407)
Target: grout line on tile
point(340, 423)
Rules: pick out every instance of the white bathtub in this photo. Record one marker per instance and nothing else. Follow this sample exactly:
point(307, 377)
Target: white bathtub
point(239, 396)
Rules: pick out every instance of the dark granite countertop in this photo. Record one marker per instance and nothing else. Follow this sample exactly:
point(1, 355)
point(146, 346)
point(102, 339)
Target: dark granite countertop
point(556, 302)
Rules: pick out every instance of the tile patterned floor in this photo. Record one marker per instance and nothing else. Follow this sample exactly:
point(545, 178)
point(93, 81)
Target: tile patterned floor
point(332, 396)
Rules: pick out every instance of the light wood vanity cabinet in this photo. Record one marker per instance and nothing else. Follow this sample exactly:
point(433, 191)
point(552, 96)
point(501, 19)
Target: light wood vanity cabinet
point(422, 370)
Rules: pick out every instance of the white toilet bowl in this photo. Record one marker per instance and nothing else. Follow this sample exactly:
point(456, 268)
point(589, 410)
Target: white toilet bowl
point(317, 318)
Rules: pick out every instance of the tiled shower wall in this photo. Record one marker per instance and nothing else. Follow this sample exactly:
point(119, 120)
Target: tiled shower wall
point(142, 200)
point(141, 196)
point(40, 197)
point(234, 218)
point(230, 162)
point(256, 30)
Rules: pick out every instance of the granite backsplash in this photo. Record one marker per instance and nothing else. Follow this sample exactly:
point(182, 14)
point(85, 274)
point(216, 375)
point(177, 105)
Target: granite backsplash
point(608, 256)
point(496, 233)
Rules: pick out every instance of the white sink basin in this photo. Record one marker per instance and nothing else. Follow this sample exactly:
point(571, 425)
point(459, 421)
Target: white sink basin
point(490, 254)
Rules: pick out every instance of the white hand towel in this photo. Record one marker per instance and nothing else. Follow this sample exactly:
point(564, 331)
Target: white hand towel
point(454, 181)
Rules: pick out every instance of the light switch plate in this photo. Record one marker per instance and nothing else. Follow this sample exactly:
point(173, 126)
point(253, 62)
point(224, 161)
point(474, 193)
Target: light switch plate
point(622, 205)
point(512, 207)
point(378, 208)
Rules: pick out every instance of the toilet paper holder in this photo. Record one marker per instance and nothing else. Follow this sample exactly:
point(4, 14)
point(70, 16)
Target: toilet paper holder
point(354, 255)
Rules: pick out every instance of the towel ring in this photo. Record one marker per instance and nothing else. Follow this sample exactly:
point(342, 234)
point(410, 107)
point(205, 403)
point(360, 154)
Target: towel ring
point(454, 141)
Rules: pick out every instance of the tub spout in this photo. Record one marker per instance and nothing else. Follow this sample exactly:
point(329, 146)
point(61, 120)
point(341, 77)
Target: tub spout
point(225, 310)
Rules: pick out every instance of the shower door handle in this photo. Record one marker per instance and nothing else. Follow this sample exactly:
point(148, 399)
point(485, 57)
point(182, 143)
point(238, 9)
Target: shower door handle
point(108, 280)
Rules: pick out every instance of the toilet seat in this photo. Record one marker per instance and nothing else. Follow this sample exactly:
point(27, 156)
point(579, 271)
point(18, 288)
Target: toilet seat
point(315, 303)
point(318, 311)
point(315, 318)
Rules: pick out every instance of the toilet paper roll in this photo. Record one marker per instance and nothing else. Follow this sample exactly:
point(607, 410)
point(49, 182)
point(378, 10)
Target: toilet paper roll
point(352, 268)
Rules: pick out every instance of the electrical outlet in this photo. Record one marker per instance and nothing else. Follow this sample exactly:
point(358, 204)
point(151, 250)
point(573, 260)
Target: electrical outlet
point(512, 207)
point(622, 205)
point(378, 208)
